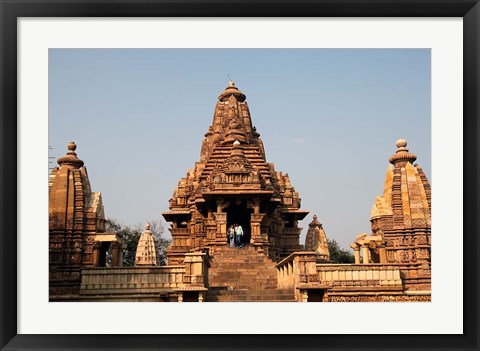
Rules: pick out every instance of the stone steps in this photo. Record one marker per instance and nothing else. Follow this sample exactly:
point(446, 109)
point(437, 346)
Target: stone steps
point(246, 296)
point(243, 274)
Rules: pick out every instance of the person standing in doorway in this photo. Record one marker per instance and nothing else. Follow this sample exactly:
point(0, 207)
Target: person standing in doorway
point(238, 235)
point(231, 235)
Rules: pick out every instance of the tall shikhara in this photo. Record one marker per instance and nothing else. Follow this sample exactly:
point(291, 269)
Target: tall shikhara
point(403, 214)
point(401, 217)
point(233, 183)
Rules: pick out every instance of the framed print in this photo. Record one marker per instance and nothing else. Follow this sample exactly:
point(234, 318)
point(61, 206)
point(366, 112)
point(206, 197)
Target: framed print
point(47, 49)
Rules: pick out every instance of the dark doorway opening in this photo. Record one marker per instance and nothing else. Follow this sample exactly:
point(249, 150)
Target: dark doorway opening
point(315, 295)
point(190, 296)
point(238, 213)
point(104, 255)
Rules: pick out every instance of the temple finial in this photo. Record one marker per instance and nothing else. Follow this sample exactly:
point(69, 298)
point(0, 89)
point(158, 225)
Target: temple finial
point(315, 222)
point(70, 159)
point(232, 90)
point(401, 143)
point(231, 82)
point(402, 154)
point(71, 147)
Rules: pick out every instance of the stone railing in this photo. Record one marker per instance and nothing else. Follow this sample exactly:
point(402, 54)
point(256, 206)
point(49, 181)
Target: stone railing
point(300, 272)
point(192, 276)
point(347, 276)
point(297, 269)
point(140, 279)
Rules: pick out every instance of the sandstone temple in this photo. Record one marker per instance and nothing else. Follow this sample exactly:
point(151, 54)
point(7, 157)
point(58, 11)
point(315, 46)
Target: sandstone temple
point(232, 183)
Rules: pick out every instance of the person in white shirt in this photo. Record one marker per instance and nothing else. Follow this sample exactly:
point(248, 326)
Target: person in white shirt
point(238, 235)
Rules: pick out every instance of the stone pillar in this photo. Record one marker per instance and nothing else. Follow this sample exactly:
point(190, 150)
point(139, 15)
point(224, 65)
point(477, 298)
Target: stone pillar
point(366, 254)
point(120, 255)
point(304, 295)
point(221, 219)
point(255, 229)
point(382, 253)
point(180, 297)
point(219, 206)
point(96, 254)
point(256, 206)
point(196, 266)
point(356, 251)
point(115, 254)
point(201, 296)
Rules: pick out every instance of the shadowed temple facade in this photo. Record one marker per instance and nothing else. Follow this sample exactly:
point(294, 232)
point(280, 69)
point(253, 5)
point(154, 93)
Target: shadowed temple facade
point(233, 184)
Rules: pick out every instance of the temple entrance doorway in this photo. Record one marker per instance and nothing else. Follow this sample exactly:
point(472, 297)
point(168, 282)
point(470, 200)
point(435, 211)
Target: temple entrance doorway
point(239, 213)
point(105, 255)
point(315, 295)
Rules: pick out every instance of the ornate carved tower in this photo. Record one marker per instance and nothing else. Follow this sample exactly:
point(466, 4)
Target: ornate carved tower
point(77, 237)
point(233, 183)
point(401, 217)
point(316, 240)
point(76, 215)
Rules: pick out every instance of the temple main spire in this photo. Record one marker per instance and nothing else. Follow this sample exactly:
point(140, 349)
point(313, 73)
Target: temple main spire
point(233, 184)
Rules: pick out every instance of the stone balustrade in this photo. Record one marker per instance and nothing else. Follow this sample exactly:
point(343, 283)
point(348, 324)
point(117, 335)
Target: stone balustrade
point(359, 275)
point(151, 280)
point(127, 279)
point(296, 270)
point(300, 271)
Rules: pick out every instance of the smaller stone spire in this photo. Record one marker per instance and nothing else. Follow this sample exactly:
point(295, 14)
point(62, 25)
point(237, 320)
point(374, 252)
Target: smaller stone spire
point(146, 254)
point(402, 155)
point(316, 240)
point(70, 159)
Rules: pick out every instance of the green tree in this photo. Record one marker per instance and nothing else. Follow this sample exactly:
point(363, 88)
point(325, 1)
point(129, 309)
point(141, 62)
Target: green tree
point(339, 255)
point(131, 235)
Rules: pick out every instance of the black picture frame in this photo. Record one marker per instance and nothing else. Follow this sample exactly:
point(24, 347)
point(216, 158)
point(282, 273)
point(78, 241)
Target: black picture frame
point(11, 10)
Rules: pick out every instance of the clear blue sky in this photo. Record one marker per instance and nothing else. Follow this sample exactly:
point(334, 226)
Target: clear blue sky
point(328, 117)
